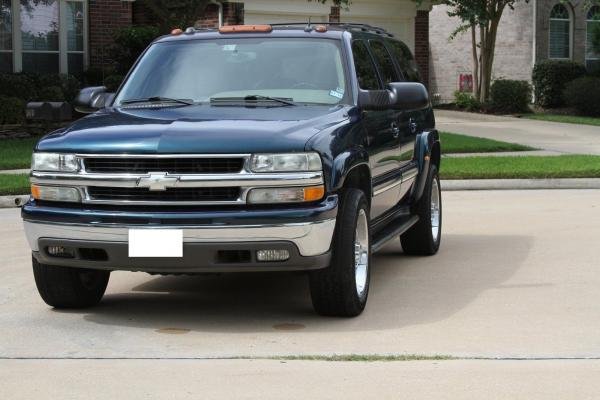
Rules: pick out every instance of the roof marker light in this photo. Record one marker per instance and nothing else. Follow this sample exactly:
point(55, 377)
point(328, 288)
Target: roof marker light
point(321, 28)
point(176, 31)
point(245, 28)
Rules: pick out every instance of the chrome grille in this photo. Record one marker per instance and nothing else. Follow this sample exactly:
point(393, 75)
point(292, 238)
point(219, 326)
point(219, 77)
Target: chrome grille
point(209, 194)
point(175, 165)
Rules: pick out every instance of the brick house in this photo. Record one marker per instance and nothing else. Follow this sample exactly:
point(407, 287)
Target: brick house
point(532, 32)
point(68, 36)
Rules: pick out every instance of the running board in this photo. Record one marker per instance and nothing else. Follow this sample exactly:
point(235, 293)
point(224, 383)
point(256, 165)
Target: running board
point(392, 231)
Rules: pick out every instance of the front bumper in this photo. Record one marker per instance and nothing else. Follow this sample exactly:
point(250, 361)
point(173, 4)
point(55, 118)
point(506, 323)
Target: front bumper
point(307, 243)
point(306, 234)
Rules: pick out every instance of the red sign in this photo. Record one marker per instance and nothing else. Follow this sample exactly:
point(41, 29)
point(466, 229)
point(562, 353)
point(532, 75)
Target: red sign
point(465, 83)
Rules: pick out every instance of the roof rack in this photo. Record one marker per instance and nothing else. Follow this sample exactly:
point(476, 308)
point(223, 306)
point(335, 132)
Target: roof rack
point(362, 27)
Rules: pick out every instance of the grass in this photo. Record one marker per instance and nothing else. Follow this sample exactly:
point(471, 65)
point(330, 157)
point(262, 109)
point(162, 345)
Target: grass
point(16, 153)
point(364, 357)
point(455, 143)
point(14, 184)
point(569, 119)
point(567, 166)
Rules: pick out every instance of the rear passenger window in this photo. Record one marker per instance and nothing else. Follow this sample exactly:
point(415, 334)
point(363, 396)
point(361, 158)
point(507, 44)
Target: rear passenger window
point(384, 61)
point(406, 61)
point(365, 69)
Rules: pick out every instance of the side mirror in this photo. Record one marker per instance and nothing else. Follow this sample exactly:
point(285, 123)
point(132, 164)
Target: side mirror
point(374, 99)
point(408, 95)
point(92, 99)
point(399, 96)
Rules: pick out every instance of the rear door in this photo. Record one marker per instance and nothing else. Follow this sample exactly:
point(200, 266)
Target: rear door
point(383, 142)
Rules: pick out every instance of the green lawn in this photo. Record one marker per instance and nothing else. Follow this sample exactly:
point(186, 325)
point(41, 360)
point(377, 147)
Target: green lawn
point(16, 153)
point(567, 166)
point(14, 184)
point(569, 119)
point(455, 143)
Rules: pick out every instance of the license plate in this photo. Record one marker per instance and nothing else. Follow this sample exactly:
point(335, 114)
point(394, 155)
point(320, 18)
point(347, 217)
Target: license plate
point(155, 243)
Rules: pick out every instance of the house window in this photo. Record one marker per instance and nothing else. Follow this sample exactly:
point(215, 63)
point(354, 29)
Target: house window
point(592, 47)
point(47, 36)
point(560, 32)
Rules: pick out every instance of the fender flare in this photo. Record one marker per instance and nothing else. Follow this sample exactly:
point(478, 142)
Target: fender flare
point(344, 163)
point(427, 151)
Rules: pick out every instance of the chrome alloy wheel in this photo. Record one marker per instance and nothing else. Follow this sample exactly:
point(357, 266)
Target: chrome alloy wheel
point(361, 253)
point(435, 210)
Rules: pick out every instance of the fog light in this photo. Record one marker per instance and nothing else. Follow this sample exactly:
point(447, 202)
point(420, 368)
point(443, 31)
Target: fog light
point(272, 255)
point(60, 251)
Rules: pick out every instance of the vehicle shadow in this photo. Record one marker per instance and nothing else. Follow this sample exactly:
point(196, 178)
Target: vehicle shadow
point(404, 291)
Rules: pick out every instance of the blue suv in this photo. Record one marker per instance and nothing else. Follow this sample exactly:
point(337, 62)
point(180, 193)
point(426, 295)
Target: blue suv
point(250, 148)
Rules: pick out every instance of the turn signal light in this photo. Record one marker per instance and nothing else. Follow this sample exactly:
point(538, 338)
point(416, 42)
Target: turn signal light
point(314, 193)
point(245, 28)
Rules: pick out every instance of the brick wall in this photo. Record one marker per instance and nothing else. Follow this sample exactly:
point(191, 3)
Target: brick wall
point(449, 59)
point(105, 17)
point(233, 14)
point(422, 44)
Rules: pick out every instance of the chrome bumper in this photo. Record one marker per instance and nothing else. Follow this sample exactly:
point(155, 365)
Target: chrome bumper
point(311, 238)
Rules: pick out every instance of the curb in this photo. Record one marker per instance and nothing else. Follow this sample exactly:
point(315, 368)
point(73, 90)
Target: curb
point(520, 184)
point(13, 201)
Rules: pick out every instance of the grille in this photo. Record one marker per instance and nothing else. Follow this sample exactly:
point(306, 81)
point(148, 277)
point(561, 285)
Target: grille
point(171, 165)
point(173, 194)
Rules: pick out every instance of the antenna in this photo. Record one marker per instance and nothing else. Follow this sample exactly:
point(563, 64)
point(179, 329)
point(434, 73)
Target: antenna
point(308, 27)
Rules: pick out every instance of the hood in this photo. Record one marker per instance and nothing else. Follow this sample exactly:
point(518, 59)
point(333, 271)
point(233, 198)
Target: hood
point(194, 129)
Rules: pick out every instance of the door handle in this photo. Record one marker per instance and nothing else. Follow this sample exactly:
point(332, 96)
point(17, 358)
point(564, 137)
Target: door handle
point(395, 130)
point(412, 125)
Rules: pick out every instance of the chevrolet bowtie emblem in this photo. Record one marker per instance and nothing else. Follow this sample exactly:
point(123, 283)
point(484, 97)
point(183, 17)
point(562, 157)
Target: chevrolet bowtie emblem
point(158, 181)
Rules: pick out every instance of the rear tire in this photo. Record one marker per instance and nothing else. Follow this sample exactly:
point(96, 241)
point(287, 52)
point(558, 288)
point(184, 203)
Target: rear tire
point(424, 237)
point(341, 290)
point(64, 287)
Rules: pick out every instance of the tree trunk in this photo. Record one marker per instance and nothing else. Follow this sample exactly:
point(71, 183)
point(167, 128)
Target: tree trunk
point(475, 62)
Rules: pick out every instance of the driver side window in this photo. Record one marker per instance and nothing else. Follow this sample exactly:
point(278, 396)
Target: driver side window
point(365, 67)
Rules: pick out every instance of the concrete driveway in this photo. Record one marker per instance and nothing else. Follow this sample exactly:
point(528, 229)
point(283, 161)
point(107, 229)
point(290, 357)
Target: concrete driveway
point(516, 278)
point(552, 136)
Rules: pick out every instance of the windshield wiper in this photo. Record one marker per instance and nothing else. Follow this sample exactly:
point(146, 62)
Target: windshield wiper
point(254, 98)
point(157, 99)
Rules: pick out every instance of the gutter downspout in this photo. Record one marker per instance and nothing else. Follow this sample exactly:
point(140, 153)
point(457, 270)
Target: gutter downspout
point(220, 5)
point(534, 41)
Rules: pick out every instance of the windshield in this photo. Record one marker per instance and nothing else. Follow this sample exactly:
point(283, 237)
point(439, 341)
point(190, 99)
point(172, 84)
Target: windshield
point(299, 70)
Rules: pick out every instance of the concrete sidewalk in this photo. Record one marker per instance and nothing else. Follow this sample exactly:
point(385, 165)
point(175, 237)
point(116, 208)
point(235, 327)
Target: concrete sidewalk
point(266, 379)
point(550, 136)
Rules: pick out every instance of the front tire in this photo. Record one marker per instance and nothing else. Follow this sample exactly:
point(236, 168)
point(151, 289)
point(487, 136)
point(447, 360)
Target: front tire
point(342, 289)
point(64, 287)
point(424, 237)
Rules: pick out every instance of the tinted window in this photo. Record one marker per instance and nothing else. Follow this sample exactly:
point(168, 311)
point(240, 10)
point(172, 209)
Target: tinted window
point(384, 61)
point(365, 69)
point(406, 61)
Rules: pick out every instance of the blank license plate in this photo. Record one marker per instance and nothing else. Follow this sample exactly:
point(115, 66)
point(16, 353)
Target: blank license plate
point(155, 243)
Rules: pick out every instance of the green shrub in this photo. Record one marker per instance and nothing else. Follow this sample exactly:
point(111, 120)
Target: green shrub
point(12, 110)
point(112, 82)
point(68, 84)
point(130, 42)
point(51, 93)
point(466, 101)
point(583, 94)
point(510, 96)
point(18, 85)
point(550, 78)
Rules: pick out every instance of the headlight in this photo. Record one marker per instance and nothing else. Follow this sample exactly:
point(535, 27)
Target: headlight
point(54, 162)
point(285, 195)
point(292, 162)
point(55, 193)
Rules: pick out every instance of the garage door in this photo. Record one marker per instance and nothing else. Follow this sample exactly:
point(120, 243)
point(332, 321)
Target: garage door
point(251, 18)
